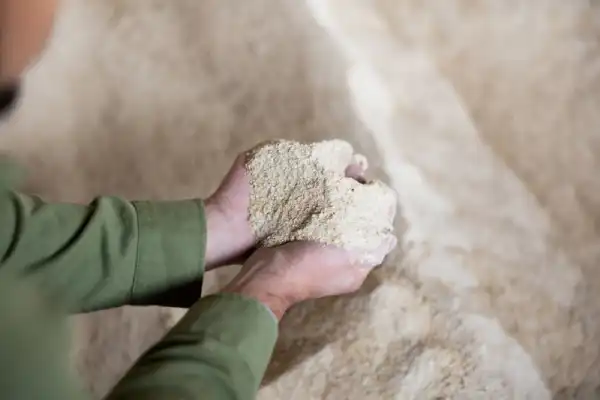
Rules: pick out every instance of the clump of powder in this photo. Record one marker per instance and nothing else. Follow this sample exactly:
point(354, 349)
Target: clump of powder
point(301, 192)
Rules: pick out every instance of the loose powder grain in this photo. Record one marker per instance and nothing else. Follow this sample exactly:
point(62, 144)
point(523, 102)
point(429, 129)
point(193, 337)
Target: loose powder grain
point(301, 192)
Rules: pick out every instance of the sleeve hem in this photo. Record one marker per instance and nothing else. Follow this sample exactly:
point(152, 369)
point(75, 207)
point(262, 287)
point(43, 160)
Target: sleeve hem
point(171, 250)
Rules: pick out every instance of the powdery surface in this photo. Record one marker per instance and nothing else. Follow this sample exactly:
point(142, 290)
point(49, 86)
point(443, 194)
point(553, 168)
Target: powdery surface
point(484, 115)
point(301, 192)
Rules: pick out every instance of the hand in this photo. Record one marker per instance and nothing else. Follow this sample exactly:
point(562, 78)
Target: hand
point(229, 234)
point(282, 276)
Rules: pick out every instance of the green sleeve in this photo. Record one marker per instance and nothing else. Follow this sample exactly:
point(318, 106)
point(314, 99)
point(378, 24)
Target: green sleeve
point(219, 350)
point(108, 253)
point(34, 346)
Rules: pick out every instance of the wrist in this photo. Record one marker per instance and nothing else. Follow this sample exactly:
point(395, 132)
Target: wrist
point(228, 239)
point(214, 230)
point(276, 304)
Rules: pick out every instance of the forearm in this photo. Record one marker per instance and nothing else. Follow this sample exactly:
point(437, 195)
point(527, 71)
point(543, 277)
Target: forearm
point(109, 253)
point(34, 346)
point(219, 350)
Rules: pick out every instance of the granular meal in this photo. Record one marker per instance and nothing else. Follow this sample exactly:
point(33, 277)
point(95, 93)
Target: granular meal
point(301, 192)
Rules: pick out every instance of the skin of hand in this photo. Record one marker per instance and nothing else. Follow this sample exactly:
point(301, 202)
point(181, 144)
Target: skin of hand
point(280, 277)
point(229, 234)
point(230, 238)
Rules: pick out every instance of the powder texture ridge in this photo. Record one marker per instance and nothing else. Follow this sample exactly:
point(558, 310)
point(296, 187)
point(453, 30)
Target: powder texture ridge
point(301, 192)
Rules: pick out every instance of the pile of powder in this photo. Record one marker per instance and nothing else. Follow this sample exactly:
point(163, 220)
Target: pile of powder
point(301, 192)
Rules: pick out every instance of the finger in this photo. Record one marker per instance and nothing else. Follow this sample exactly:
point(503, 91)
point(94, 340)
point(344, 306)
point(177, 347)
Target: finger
point(239, 165)
point(360, 161)
point(357, 168)
point(334, 155)
point(356, 172)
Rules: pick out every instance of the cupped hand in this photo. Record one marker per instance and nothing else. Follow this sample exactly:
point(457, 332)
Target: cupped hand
point(230, 237)
point(280, 277)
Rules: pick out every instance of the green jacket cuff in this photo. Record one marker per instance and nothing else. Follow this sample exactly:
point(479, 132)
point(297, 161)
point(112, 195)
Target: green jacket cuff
point(171, 249)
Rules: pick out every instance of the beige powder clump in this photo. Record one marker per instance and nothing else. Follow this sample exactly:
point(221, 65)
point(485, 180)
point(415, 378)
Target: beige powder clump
point(300, 192)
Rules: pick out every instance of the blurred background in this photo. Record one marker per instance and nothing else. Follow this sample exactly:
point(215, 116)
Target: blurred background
point(483, 115)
